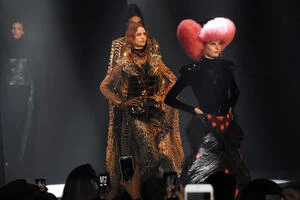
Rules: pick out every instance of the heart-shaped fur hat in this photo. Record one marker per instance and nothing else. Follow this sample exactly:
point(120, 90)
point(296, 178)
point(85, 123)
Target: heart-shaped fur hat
point(192, 36)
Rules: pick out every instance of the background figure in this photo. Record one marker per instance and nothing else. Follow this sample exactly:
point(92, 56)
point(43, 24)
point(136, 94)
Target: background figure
point(17, 101)
point(214, 135)
point(82, 183)
point(140, 126)
point(133, 14)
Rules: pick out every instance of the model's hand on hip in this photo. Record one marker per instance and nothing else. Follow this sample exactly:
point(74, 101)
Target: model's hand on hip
point(198, 111)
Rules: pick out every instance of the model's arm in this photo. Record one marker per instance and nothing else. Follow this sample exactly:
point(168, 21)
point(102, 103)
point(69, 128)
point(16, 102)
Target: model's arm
point(234, 89)
point(235, 93)
point(171, 97)
point(169, 79)
point(107, 85)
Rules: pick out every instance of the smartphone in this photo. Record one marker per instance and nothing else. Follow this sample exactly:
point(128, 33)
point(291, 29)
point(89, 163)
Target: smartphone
point(171, 179)
point(104, 182)
point(198, 192)
point(126, 167)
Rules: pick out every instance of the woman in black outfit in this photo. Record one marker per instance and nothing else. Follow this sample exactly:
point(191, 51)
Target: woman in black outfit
point(214, 135)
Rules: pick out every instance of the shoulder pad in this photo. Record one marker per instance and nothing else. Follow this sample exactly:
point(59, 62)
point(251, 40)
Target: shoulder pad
point(118, 41)
point(155, 46)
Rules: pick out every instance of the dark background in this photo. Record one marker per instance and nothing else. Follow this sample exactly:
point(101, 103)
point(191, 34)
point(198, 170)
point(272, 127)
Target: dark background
point(73, 38)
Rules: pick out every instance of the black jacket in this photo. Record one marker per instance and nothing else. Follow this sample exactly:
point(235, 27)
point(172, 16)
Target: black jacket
point(213, 84)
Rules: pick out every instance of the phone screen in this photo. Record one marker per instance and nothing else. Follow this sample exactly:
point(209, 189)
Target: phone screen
point(126, 165)
point(104, 183)
point(198, 192)
point(198, 196)
point(41, 183)
point(103, 180)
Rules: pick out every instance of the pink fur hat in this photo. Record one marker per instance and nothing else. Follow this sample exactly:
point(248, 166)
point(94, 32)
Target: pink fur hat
point(192, 36)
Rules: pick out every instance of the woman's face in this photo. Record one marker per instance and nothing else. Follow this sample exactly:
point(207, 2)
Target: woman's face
point(140, 38)
point(212, 49)
point(17, 30)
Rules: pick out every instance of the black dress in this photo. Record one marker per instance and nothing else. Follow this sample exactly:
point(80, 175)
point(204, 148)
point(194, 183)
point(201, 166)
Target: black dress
point(17, 106)
point(215, 137)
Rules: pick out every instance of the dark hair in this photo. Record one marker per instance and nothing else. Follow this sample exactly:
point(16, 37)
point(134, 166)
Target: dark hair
point(224, 185)
point(82, 183)
point(19, 189)
point(258, 189)
point(134, 10)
